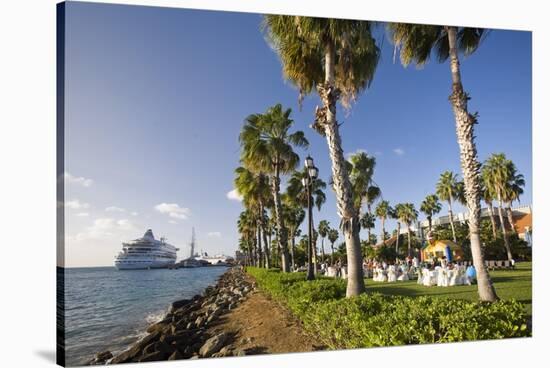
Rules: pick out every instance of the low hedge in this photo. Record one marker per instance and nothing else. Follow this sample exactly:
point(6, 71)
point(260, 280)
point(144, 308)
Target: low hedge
point(374, 319)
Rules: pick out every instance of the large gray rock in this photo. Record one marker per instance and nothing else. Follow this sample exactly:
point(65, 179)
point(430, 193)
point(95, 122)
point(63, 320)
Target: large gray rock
point(134, 351)
point(179, 304)
point(100, 358)
point(175, 356)
point(153, 357)
point(199, 322)
point(213, 345)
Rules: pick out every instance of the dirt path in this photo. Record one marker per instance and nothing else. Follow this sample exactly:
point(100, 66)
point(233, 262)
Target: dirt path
point(261, 326)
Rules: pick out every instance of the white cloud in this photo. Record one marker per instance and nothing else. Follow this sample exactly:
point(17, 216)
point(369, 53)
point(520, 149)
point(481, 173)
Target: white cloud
point(101, 227)
point(234, 195)
point(399, 151)
point(75, 204)
point(173, 210)
point(85, 182)
point(134, 213)
point(125, 224)
point(115, 209)
point(107, 228)
point(214, 234)
point(83, 214)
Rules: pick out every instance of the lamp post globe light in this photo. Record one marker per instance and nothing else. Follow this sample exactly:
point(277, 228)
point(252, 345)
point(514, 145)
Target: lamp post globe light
point(307, 181)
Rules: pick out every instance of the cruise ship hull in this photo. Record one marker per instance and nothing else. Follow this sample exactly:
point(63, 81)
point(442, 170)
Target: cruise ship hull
point(124, 265)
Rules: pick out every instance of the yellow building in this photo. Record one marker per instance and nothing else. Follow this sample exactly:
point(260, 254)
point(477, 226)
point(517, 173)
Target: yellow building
point(443, 248)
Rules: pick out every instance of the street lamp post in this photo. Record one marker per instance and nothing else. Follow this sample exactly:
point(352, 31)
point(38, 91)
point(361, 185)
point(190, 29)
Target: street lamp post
point(311, 174)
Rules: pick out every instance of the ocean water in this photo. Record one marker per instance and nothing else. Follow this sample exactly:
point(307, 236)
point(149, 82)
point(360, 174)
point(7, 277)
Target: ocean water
point(108, 309)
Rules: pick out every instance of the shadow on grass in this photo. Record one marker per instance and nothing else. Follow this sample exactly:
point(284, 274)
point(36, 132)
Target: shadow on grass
point(513, 279)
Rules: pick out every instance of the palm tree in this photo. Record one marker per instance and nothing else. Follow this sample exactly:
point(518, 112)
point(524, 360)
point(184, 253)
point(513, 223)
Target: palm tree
point(488, 198)
point(246, 226)
point(372, 195)
point(254, 187)
point(338, 58)
point(430, 206)
point(383, 212)
point(409, 215)
point(497, 173)
point(323, 228)
point(417, 42)
point(297, 194)
point(446, 190)
point(267, 146)
point(399, 213)
point(332, 237)
point(367, 222)
point(293, 215)
point(514, 190)
point(361, 169)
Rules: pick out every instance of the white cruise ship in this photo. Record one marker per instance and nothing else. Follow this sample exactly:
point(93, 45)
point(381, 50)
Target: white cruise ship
point(145, 253)
point(218, 259)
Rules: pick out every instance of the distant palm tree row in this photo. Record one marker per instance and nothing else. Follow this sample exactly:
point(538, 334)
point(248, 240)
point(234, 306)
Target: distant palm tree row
point(338, 59)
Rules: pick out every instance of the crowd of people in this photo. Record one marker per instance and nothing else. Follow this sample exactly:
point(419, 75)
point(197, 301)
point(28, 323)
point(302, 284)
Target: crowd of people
point(435, 272)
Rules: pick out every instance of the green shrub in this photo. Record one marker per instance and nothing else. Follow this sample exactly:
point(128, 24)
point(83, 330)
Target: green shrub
point(377, 320)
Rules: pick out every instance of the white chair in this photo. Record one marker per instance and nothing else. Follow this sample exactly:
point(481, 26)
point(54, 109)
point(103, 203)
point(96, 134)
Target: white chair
point(420, 274)
point(404, 274)
point(442, 277)
point(344, 273)
point(377, 274)
point(426, 277)
point(331, 271)
point(433, 278)
point(392, 276)
point(383, 276)
point(453, 276)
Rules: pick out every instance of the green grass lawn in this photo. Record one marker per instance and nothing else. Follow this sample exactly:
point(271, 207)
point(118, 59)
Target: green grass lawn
point(513, 284)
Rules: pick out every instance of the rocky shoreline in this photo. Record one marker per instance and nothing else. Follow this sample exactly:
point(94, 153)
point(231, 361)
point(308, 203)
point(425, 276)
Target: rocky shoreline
point(183, 332)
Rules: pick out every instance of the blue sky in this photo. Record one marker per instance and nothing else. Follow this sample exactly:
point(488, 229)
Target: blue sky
point(156, 97)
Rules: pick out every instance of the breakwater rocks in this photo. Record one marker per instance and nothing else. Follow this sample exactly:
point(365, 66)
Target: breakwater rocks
point(183, 333)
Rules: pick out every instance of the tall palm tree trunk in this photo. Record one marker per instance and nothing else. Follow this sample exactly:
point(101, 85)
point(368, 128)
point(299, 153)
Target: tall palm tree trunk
point(322, 249)
point(331, 253)
point(470, 169)
point(491, 210)
point(368, 234)
point(278, 248)
point(504, 231)
point(260, 253)
point(452, 220)
point(350, 223)
point(409, 253)
point(397, 239)
point(255, 251)
point(510, 215)
point(248, 259)
point(429, 223)
point(267, 255)
point(292, 245)
point(281, 231)
point(383, 220)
